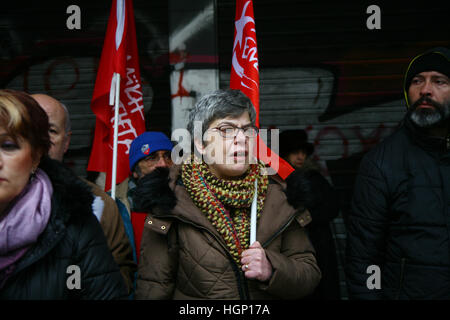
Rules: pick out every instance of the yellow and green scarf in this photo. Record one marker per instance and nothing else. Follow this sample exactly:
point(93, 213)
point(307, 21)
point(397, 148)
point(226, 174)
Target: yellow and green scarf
point(226, 203)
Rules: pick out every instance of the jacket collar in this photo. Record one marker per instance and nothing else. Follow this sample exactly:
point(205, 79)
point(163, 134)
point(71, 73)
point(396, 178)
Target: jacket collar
point(70, 193)
point(71, 199)
point(419, 136)
point(276, 214)
point(51, 236)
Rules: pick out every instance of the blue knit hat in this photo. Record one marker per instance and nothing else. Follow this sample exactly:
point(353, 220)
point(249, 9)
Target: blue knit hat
point(147, 143)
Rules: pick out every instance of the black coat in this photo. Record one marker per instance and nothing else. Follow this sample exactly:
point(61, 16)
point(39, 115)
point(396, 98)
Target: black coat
point(400, 219)
point(322, 203)
point(73, 236)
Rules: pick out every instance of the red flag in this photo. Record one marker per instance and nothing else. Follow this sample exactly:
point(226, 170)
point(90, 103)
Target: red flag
point(119, 55)
point(245, 76)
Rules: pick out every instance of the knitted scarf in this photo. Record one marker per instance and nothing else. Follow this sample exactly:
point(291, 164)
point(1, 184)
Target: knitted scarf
point(226, 203)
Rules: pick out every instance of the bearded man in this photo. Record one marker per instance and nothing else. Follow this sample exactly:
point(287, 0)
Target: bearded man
point(398, 244)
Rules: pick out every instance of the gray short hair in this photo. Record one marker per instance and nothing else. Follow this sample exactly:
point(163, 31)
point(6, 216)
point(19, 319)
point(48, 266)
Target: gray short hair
point(218, 105)
point(67, 124)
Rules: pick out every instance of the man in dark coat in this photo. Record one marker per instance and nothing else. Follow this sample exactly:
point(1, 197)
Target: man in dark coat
point(398, 244)
point(323, 206)
point(104, 207)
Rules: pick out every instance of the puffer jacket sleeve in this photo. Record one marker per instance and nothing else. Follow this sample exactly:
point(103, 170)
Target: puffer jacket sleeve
point(118, 242)
point(100, 276)
point(158, 260)
point(295, 271)
point(324, 205)
point(366, 230)
point(116, 237)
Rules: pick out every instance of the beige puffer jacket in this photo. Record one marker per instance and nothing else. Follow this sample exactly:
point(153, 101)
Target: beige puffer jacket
point(184, 257)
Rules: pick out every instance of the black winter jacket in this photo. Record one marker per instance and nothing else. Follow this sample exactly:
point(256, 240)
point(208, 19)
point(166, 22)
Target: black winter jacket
point(73, 236)
point(323, 206)
point(400, 219)
point(323, 210)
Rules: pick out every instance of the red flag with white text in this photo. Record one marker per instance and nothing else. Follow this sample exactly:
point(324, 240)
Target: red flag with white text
point(119, 55)
point(245, 76)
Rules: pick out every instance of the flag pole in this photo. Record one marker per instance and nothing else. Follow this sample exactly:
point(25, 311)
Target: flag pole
point(116, 131)
point(253, 215)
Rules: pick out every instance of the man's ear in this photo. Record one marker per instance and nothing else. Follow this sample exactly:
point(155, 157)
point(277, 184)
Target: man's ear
point(67, 141)
point(135, 175)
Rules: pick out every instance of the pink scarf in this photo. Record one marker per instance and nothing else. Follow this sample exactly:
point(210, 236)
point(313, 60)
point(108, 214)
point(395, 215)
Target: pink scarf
point(23, 222)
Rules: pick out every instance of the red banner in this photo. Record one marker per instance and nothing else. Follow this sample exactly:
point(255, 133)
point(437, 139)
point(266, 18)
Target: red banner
point(119, 55)
point(245, 76)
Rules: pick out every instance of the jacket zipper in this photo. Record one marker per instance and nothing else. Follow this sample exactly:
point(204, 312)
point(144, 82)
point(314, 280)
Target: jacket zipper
point(242, 284)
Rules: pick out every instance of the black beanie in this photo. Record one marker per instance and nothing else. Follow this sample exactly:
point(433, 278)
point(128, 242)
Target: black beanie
point(293, 141)
point(436, 59)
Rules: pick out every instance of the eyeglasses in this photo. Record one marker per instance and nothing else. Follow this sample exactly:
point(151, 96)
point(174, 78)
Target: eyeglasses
point(229, 131)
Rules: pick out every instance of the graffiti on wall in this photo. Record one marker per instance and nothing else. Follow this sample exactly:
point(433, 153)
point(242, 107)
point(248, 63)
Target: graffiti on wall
point(63, 64)
point(193, 56)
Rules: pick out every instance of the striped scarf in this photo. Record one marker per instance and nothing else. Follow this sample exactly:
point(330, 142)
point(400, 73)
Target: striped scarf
point(226, 203)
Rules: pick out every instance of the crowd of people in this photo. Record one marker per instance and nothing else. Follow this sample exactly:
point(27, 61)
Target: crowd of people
point(183, 230)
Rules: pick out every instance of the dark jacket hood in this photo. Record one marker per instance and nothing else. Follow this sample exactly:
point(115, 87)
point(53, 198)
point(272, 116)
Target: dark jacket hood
point(69, 191)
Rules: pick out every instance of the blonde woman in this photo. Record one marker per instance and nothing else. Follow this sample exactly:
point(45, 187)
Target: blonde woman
point(51, 245)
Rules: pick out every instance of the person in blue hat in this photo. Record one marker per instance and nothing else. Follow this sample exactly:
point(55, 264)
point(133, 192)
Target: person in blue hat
point(149, 151)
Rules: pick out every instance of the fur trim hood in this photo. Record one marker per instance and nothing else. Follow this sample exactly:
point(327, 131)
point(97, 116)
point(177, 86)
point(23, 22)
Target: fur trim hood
point(69, 191)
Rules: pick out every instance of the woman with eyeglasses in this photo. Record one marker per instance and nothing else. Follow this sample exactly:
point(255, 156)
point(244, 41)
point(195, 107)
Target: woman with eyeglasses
point(196, 239)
